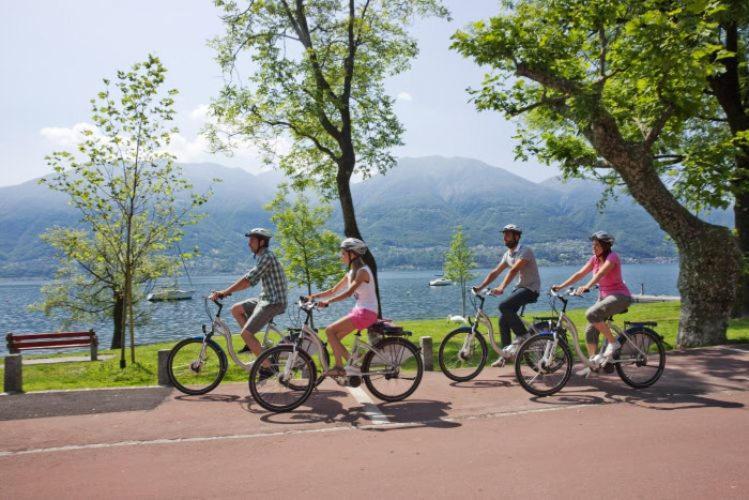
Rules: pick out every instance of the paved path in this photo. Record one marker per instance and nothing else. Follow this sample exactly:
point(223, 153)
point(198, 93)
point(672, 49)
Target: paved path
point(686, 437)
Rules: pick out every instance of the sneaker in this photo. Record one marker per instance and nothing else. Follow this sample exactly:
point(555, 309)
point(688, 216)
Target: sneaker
point(265, 373)
point(509, 352)
point(587, 371)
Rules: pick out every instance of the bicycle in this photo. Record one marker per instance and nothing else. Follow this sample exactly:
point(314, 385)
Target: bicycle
point(639, 362)
point(391, 368)
point(465, 348)
point(196, 365)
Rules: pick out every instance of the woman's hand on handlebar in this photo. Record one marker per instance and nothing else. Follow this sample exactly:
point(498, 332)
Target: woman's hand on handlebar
point(218, 295)
point(322, 304)
point(579, 291)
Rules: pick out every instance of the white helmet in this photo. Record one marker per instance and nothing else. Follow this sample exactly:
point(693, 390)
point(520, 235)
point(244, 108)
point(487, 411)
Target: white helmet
point(260, 232)
point(354, 245)
point(513, 228)
point(602, 236)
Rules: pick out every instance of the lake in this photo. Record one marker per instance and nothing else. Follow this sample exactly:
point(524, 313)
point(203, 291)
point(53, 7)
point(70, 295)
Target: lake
point(405, 295)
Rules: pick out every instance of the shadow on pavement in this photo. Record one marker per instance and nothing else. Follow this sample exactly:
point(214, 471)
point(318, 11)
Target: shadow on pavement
point(57, 404)
point(418, 413)
point(324, 406)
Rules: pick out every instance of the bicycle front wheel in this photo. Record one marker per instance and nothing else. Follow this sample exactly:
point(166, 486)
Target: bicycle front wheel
point(394, 370)
point(546, 366)
point(641, 359)
point(194, 370)
point(462, 354)
point(292, 379)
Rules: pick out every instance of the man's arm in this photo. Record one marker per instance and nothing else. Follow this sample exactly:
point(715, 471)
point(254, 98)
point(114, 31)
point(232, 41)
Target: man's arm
point(492, 275)
point(510, 276)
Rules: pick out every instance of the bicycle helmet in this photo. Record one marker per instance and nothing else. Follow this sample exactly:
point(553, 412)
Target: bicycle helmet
point(260, 232)
point(602, 236)
point(354, 245)
point(513, 228)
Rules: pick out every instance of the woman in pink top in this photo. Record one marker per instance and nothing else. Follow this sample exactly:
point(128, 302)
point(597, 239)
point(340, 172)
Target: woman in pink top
point(614, 295)
point(359, 282)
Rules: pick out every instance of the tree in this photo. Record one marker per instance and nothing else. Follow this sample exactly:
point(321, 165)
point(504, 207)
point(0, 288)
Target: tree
point(611, 89)
point(317, 78)
point(125, 187)
point(309, 253)
point(459, 260)
point(730, 88)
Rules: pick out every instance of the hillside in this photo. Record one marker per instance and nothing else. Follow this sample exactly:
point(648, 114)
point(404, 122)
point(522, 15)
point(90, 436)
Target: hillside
point(407, 216)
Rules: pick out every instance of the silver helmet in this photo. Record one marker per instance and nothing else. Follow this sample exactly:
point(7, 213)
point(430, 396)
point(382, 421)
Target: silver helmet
point(513, 228)
point(602, 236)
point(260, 232)
point(354, 245)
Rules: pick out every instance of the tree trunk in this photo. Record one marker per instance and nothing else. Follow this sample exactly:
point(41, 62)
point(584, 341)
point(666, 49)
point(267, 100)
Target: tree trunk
point(727, 88)
point(741, 221)
point(708, 254)
point(350, 227)
point(118, 335)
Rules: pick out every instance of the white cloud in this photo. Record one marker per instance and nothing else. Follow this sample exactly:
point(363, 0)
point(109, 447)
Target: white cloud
point(404, 96)
point(201, 113)
point(186, 149)
point(67, 137)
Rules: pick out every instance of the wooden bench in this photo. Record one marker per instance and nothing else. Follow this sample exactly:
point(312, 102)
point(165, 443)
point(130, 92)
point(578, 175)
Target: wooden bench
point(18, 342)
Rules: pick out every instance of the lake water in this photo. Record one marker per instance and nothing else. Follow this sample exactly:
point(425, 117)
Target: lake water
point(405, 295)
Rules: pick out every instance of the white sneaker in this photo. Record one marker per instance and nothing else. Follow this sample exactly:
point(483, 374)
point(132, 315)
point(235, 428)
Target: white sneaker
point(587, 371)
point(509, 352)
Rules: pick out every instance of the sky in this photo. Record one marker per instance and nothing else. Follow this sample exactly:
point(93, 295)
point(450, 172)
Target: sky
point(54, 54)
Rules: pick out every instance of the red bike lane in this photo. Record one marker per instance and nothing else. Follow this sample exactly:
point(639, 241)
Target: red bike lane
point(686, 436)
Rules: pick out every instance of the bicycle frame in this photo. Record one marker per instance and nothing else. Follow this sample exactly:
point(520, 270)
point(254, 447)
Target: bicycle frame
point(306, 333)
point(569, 325)
point(483, 319)
point(219, 327)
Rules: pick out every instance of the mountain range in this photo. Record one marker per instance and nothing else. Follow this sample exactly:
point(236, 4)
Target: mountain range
point(407, 216)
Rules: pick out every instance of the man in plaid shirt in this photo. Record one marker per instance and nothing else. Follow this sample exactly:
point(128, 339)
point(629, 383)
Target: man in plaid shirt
point(253, 314)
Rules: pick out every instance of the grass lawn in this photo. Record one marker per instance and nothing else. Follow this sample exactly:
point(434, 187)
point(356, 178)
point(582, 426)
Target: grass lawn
point(75, 375)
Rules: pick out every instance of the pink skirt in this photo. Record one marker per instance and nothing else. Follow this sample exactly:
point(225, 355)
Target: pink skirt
point(362, 318)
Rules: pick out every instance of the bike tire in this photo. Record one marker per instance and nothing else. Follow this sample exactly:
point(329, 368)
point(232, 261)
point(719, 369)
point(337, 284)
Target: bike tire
point(392, 345)
point(300, 390)
point(528, 351)
point(641, 337)
point(176, 370)
point(445, 353)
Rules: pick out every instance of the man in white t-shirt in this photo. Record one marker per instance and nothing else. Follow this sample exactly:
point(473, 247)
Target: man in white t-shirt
point(521, 262)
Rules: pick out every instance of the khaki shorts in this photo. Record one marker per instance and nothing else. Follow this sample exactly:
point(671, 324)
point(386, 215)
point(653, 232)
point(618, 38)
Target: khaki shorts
point(259, 313)
point(603, 310)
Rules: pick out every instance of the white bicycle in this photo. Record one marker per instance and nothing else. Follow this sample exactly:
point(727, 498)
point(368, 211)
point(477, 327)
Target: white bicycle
point(463, 352)
point(196, 365)
point(547, 359)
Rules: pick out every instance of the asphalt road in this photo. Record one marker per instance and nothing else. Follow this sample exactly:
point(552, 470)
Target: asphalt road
point(686, 437)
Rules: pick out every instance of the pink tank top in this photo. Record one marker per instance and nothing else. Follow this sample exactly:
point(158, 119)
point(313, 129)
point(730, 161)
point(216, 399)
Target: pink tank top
point(612, 283)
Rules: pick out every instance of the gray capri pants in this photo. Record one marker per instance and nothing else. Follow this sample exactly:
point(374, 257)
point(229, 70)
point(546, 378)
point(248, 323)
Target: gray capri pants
point(603, 310)
point(260, 313)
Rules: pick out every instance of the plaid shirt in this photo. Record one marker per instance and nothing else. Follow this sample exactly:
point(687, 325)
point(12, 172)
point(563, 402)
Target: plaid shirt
point(270, 274)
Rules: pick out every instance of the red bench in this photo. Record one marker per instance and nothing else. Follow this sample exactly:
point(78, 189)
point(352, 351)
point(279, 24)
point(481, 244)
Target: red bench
point(18, 342)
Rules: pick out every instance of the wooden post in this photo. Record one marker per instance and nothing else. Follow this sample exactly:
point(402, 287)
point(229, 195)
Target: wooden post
point(13, 373)
point(163, 368)
point(94, 346)
point(427, 355)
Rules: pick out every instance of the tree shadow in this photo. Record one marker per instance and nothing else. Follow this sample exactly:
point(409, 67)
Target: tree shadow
point(416, 413)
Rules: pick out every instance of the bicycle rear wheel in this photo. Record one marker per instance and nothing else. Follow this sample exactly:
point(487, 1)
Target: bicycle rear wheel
point(462, 354)
point(292, 381)
point(641, 359)
point(393, 373)
point(546, 366)
point(193, 370)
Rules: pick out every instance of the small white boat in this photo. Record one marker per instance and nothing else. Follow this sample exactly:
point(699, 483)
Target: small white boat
point(440, 282)
point(165, 294)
